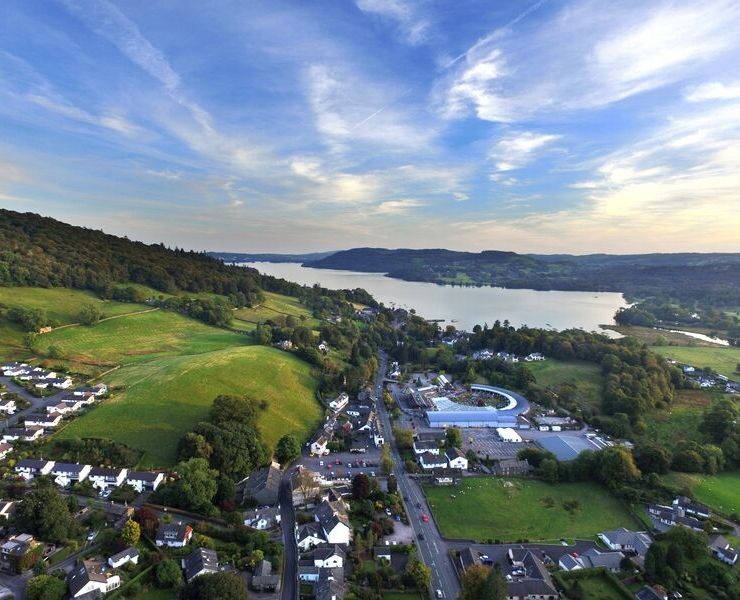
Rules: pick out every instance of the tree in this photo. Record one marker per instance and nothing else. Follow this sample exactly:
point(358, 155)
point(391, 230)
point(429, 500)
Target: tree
point(454, 437)
point(45, 587)
point(548, 470)
point(215, 586)
point(235, 409)
point(651, 457)
point(386, 461)
point(305, 483)
point(130, 533)
point(168, 574)
point(31, 319)
point(237, 447)
point(148, 520)
point(89, 314)
point(193, 445)
point(360, 486)
point(473, 583)
point(287, 449)
point(194, 488)
point(417, 573)
point(496, 588)
point(618, 466)
point(45, 513)
point(404, 438)
point(719, 422)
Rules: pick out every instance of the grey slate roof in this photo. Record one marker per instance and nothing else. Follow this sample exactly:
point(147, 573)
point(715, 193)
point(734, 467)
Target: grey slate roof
point(199, 562)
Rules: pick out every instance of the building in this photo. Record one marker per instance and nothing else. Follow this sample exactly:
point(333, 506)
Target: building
point(448, 413)
point(529, 579)
point(306, 485)
point(173, 535)
point(30, 468)
point(47, 420)
point(25, 434)
point(651, 593)
point(263, 579)
point(144, 481)
point(200, 562)
point(69, 473)
point(507, 434)
point(19, 553)
point(91, 578)
point(329, 557)
point(422, 446)
point(591, 559)
point(129, 555)
point(330, 585)
point(456, 459)
point(263, 486)
point(665, 517)
point(262, 518)
point(7, 508)
point(567, 447)
point(103, 478)
point(339, 402)
point(631, 542)
point(430, 461)
point(98, 390)
point(534, 356)
point(5, 449)
point(332, 516)
point(721, 550)
point(319, 443)
point(511, 466)
point(309, 535)
point(691, 508)
point(7, 406)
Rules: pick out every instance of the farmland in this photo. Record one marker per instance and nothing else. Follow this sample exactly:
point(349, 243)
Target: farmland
point(681, 419)
point(585, 376)
point(274, 307)
point(514, 509)
point(720, 492)
point(722, 359)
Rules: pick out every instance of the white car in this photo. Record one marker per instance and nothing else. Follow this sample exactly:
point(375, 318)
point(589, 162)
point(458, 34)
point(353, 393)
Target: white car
point(439, 593)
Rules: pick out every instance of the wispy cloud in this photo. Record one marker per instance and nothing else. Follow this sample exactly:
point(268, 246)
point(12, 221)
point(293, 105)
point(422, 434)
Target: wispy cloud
point(515, 151)
point(398, 206)
point(713, 91)
point(413, 28)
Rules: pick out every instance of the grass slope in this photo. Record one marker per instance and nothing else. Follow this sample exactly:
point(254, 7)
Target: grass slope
point(722, 359)
point(276, 305)
point(166, 396)
point(720, 492)
point(680, 422)
point(586, 376)
point(509, 510)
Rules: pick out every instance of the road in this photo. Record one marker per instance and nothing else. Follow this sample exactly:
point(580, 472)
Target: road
point(432, 548)
point(290, 553)
point(36, 403)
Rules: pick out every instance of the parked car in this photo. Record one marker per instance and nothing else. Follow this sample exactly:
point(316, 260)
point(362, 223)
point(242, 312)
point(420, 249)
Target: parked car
point(425, 518)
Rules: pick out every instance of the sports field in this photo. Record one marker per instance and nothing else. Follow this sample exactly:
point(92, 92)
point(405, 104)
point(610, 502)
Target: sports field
point(720, 492)
point(722, 359)
point(484, 508)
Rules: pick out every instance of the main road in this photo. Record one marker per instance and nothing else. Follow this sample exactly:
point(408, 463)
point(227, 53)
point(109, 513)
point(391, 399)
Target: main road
point(432, 547)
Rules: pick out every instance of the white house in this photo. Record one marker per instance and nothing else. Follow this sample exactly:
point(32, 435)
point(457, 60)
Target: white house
point(429, 460)
point(422, 446)
point(339, 402)
point(26, 434)
point(636, 542)
point(129, 555)
point(7, 508)
point(62, 408)
point(378, 438)
point(96, 390)
point(8, 406)
point(332, 517)
point(173, 535)
point(46, 420)
point(456, 459)
point(29, 468)
point(5, 449)
point(90, 578)
point(67, 473)
point(534, 356)
point(318, 444)
point(14, 369)
point(262, 518)
point(144, 481)
point(308, 536)
point(60, 383)
point(329, 557)
point(103, 478)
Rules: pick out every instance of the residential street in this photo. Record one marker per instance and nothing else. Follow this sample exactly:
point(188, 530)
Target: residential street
point(290, 553)
point(432, 549)
point(36, 403)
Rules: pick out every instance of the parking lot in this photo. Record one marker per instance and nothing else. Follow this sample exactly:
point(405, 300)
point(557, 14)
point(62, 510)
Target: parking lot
point(345, 465)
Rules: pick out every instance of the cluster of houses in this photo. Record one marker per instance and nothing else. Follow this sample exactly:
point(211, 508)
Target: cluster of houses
point(36, 377)
point(706, 381)
point(486, 354)
point(102, 478)
point(441, 463)
point(357, 419)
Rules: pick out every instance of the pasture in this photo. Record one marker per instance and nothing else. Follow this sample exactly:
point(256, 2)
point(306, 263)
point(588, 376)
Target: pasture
point(585, 376)
point(681, 419)
point(722, 359)
point(274, 307)
point(487, 508)
point(720, 492)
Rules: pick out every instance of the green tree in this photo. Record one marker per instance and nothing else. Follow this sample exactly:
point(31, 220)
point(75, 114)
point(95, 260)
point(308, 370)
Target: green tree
point(31, 319)
point(45, 513)
point(45, 587)
point(235, 409)
point(168, 574)
point(215, 586)
point(618, 466)
point(651, 457)
point(454, 437)
point(194, 488)
point(720, 421)
point(404, 438)
point(473, 583)
point(386, 461)
point(193, 445)
point(417, 573)
point(130, 533)
point(496, 588)
point(89, 314)
point(287, 449)
point(360, 486)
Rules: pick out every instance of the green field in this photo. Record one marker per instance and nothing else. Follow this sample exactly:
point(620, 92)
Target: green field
point(513, 509)
point(722, 359)
point(276, 306)
point(681, 419)
point(586, 376)
point(598, 586)
point(720, 492)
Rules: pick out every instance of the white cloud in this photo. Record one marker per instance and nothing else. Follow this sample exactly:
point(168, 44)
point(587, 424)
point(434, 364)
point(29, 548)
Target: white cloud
point(713, 91)
point(413, 28)
point(515, 151)
point(110, 121)
point(588, 55)
point(397, 206)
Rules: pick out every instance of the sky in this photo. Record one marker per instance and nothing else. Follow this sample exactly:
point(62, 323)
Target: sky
point(294, 126)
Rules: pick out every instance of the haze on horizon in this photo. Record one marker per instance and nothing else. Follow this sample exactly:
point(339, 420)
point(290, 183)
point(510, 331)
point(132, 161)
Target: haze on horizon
point(549, 126)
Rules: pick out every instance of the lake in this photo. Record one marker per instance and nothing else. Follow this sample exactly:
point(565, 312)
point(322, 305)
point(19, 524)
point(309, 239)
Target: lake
point(465, 307)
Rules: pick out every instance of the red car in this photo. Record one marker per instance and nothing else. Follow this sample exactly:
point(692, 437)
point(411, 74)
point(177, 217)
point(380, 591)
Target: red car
point(425, 518)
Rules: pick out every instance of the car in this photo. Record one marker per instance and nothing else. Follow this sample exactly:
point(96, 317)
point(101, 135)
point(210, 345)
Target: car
point(418, 505)
point(321, 463)
point(484, 556)
point(328, 467)
point(92, 535)
point(388, 511)
point(420, 537)
point(425, 518)
point(439, 594)
point(405, 497)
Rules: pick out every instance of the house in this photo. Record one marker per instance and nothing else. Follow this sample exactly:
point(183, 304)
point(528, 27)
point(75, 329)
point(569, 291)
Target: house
point(334, 522)
point(665, 517)
point(691, 508)
point(25, 434)
point(534, 356)
point(200, 562)
point(97, 390)
point(144, 481)
point(591, 559)
point(329, 557)
point(446, 476)
point(7, 508)
point(90, 579)
point(262, 518)
point(339, 402)
point(428, 460)
point(68, 473)
point(45, 420)
point(17, 553)
point(632, 542)
point(651, 593)
point(263, 486)
point(482, 355)
point(60, 383)
point(530, 579)
point(306, 485)
point(8, 406)
point(173, 535)
point(5, 449)
point(422, 446)
point(29, 468)
point(323, 347)
point(721, 550)
point(456, 459)
point(285, 345)
point(330, 585)
point(129, 555)
point(318, 444)
point(308, 536)
point(397, 558)
point(378, 438)
point(104, 478)
point(263, 579)
point(13, 369)
point(511, 466)
point(62, 408)
point(307, 572)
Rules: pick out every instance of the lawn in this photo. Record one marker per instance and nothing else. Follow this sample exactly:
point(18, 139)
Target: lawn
point(598, 586)
point(720, 492)
point(586, 376)
point(401, 596)
point(508, 510)
point(164, 397)
point(722, 359)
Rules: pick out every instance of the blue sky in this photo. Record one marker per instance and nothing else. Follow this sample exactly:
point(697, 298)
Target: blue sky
point(541, 126)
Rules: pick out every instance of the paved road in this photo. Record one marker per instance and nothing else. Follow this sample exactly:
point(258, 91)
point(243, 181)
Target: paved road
point(36, 403)
point(432, 549)
point(290, 553)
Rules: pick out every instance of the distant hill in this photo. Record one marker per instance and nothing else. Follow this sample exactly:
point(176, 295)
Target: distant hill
point(711, 278)
point(240, 257)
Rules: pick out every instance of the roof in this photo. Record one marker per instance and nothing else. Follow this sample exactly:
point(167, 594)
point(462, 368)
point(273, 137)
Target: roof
point(169, 531)
point(198, 561)
point(566, 447)
point(330, 585)
point(266, 478)
point(328, 551)
point(648, 593)
point(142, 475)
point(595, 558)
point(309, 530)
point(69, 468)
point(84, 573)
point(130, 552)
point(105, 472)
point(453, 453)
point(426, 444)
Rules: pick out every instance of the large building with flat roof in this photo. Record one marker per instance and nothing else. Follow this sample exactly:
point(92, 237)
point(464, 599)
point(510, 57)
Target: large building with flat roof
point(448, 413)
point(567, 447)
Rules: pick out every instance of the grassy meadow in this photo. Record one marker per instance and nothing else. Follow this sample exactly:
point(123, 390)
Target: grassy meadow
point(722, 359)
point(273, 307)
point(513, 509)
point(586, 376)
point(681, 420)
point(720, 492)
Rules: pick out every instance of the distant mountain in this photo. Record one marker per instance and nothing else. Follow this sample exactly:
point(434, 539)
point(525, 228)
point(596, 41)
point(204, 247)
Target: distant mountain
point(240, 257)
